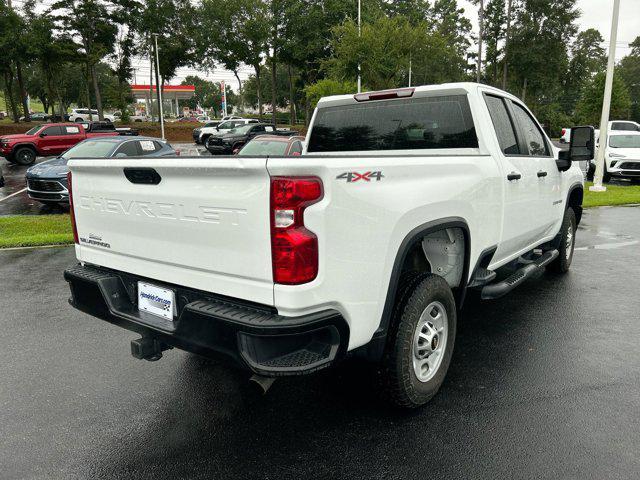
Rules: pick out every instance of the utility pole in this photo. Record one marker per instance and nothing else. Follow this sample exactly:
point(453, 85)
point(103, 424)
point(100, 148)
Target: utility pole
point(150, 112)
point(480, 33)
point(409, 69)
point(506, 46)
point(606, 102)
point(158, 86)
point(359, 35)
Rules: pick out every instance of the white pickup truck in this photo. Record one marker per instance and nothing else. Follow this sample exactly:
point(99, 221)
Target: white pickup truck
point(364, 245)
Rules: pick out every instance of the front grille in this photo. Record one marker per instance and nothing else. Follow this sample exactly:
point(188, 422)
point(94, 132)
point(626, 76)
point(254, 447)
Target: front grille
point(630, 165)
point(45, 185)
point(215, 141)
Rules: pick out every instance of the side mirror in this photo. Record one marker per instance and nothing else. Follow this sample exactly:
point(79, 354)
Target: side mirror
point(581, 148)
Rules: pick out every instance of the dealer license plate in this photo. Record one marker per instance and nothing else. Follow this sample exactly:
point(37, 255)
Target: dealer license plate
point(156, 300)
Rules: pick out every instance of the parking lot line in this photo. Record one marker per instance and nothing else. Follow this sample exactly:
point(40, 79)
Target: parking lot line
point(13, 194)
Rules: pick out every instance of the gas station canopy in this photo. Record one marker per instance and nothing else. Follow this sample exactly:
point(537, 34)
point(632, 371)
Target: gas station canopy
point(169, 92)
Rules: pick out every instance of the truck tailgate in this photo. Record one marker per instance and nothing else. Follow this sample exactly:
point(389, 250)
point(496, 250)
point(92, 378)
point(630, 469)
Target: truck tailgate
point(204, 225)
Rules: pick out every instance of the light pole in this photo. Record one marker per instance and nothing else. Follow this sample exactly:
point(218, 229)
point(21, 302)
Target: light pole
point(359, 35)
point(606, 103)
point(158, 86)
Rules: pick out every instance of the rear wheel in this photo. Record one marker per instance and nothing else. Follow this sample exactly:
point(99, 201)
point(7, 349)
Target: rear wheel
point(567, 243)
point(420, 341)
point(24, 156)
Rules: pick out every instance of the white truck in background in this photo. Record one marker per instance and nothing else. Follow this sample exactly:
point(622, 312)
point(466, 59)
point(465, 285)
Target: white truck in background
point(365, 245)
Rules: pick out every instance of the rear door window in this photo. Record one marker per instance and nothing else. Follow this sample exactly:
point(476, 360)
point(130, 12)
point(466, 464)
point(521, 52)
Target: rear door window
point(71, 130)
point(53, 131)
point(533, 136)
point(128, 149)
point(403, 124)
point(502, 124)
point(296, 148)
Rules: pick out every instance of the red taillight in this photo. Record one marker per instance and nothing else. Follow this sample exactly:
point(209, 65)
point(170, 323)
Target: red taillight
point(564, 130)
point(294, 248)
point(71, 212)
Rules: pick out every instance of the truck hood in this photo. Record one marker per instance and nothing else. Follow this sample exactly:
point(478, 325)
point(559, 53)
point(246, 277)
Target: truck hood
point(16, 137)
point(56, 167)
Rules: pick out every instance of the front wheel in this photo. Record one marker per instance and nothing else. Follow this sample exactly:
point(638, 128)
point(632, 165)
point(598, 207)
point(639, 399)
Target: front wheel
point(24, 156)
point(567, 243)
point(420, 341)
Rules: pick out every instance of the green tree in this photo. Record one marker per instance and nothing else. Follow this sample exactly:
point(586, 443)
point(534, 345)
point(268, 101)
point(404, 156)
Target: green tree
point(629, 72)
point(495, 19)
point(538, 56)
point(10, 29)
point(91, 24)
point(588, 57)
point(327, 87)
point(589, 107)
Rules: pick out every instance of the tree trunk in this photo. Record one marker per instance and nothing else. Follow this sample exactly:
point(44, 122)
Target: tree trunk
point(96, 91)
point(258, 90)
point(505, 60)
point(235, 72)
point(88, 92)
point(23, 93)
point(274, 88)
point(8, 88)
point(524, 90)
point(292, 104)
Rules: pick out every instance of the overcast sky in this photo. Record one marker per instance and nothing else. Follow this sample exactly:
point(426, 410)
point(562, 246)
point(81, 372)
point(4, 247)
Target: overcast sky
point(595, 14)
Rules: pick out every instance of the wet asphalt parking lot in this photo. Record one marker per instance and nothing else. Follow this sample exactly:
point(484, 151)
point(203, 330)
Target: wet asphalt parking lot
point(544, 383)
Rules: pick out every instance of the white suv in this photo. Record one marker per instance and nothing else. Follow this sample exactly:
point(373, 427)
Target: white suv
point(85, 115)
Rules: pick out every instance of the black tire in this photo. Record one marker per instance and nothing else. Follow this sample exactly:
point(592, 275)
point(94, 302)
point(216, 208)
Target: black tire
point(591, 170)
point(399, 381)
point(606, 176)
point(79, 120)
point(567, 244)
point(24, 156)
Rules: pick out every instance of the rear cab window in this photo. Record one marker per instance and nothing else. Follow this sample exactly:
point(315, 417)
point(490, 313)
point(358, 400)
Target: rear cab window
point(431, 122)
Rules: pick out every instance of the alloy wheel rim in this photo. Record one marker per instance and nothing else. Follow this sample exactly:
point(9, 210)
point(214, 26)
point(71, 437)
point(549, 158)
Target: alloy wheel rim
point(430, 341)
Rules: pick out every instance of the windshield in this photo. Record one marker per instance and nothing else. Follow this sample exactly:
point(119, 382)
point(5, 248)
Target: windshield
point(624, 141)
point(32, 131)
point(225, 125)
point(264, 147)
point(90, 149)
point(241, 130)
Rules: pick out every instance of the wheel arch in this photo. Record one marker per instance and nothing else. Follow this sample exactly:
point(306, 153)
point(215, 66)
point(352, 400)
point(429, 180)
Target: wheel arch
point(30, 145)
point(575, 195)
point(375, 348)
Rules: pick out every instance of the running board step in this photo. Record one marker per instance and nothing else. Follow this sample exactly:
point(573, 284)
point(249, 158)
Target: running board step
point(482, 277)
point(499, 289)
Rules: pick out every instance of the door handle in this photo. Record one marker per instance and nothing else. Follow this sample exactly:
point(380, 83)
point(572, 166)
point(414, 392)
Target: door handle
point(514, 176)
point(542, 173)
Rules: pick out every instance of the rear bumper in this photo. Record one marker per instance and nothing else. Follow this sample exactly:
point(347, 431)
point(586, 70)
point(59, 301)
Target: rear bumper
point(252, 336)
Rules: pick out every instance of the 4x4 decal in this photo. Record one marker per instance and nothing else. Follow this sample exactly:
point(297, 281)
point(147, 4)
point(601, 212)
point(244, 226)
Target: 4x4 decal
point(351, 177)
